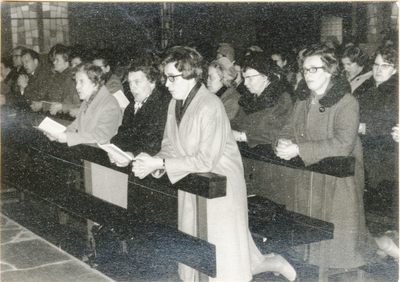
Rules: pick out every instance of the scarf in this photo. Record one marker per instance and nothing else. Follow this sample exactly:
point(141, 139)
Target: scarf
point(181, 109)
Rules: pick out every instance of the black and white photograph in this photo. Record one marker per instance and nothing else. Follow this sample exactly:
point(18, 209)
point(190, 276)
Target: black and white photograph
point(199, 141)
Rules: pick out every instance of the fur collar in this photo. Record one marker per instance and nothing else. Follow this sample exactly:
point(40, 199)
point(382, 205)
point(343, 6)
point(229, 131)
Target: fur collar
point(337, 88)
point(390, 86)
point(251, 103)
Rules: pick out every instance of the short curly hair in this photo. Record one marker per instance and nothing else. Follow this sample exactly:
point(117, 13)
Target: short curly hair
point(187, 60)
point(355, 55)
point(389, 54)
point(94, 73)
point(148, 65)
point(327, 57)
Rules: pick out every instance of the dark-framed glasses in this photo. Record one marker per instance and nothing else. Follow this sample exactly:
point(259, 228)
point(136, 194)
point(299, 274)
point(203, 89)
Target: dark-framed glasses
point(311, 70)
point(172, 78)
point(383, 66)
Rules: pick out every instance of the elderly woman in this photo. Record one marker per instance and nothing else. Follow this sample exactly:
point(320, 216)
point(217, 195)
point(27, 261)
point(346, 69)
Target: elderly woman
point(379, 115)
point(379, 105)
point(144, 120)
point(355, 63)
point(262, 113)
point(198, 139)
point(221, 74)
point(99, 115)
point(323, 124)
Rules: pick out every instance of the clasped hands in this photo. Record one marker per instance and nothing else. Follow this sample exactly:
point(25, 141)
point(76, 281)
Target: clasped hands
point(286, 149)
point(145, 164)
point(142, 165)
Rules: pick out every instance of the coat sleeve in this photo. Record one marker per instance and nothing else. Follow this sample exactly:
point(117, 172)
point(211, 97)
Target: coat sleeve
point(106, 127)
point(212, 127)
point(345, 133)
point(269, 126)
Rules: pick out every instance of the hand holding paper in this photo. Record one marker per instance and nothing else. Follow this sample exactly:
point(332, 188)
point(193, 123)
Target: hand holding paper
point(51, 127)
point(116, 155)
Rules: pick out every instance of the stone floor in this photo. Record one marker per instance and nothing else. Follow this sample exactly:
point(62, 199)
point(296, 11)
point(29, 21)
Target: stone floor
point(27, 257)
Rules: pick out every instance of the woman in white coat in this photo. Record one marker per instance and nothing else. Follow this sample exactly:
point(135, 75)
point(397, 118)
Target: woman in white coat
point(198, 139)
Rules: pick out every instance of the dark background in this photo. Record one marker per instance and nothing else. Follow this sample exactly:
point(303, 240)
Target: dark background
point(204, 25)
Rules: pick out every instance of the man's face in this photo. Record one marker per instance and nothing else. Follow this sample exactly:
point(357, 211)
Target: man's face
point(140, 86)
point(17, 60)
point(29, 63)
point(59, 63)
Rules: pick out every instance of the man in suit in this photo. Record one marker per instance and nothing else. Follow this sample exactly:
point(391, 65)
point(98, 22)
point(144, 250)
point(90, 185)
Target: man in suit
point(34, 84)
point(13, 95)
point(143, 123)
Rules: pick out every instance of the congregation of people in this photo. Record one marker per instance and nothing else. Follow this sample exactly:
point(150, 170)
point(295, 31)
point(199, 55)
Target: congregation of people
point(187, 115)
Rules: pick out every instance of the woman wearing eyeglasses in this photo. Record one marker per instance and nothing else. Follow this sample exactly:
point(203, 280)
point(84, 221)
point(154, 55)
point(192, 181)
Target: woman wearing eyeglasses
point(264, 112)
point(324, 123)
point(379, 115)
point(198, 139)
point(379, 104)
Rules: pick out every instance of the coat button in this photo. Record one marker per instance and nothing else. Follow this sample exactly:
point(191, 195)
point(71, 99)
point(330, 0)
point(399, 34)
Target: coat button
point(322, 109)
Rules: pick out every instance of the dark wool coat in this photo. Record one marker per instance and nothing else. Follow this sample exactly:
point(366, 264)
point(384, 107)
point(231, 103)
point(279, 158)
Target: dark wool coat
point(328, 128)
point(144, 131)
point(379, 107)
point(262, 117)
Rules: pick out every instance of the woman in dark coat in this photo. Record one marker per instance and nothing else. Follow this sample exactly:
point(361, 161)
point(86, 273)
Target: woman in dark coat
point(324, 123)
point(379, 113)
point(262, 114)
point(379, 105)
point(144, 120)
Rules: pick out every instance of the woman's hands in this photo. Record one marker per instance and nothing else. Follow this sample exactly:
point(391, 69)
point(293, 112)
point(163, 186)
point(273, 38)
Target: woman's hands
point(286, 149)
point(145, 164)
point(120, 163)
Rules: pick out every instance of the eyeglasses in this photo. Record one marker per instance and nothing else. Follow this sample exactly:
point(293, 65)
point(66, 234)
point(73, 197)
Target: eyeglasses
point(311, 70)
point(383, 66)
point(172, 78)
point(250, 76)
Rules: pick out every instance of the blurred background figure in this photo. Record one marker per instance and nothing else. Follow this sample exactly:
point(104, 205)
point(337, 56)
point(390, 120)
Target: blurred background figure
point(221, 74)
